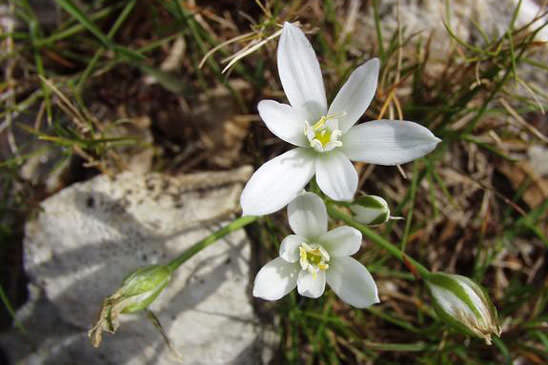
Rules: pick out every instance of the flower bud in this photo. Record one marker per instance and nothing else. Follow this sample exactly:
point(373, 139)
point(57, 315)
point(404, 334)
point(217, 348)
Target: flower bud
point(464, 304)
point(143, 286)
point(370, 210)
point(137, 292)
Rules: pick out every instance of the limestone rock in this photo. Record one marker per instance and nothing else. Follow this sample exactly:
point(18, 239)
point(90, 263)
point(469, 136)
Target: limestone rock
point(428, 16)
point(89, 236)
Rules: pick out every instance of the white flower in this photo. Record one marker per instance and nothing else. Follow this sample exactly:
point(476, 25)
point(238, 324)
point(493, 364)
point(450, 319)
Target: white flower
point(326, 138)
point(313, 256)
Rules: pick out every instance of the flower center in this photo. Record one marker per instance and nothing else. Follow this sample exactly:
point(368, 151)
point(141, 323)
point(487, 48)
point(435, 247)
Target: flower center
point(324, 135)
point(313, 258)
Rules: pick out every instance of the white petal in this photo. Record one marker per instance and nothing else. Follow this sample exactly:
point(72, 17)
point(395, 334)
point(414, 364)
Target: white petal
point(275, 279)
point(300, 72)
point(356, 94)
point(277, 182)
point(336, 175)
point(309, 285)
point(284, 121)
point(307, 216)
point(370, 215)
point(341, 241)
point(351, 281)
point(474, 296)
point(289, 248)
point(450, 302)
point(388, 142)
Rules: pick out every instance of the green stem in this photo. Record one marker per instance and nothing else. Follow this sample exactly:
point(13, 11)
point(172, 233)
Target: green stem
point(378, 29)
point(10, 310)
point(413, 193)
point(379, 241)
point(212, 238)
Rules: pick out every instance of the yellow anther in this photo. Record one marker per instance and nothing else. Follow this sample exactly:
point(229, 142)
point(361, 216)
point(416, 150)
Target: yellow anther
point(302, 253)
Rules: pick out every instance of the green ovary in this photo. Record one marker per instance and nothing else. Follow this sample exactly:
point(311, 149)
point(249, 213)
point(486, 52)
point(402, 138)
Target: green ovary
point(313, 259)
point(323, 136)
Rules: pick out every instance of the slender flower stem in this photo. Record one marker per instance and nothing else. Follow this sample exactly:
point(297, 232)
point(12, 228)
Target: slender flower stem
point(212, 238)
point(411, 263)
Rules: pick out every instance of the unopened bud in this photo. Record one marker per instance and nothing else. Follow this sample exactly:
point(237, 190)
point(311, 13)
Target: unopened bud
point(137, 292)
point(143, 286)
point(464, 304)
point(370, 210)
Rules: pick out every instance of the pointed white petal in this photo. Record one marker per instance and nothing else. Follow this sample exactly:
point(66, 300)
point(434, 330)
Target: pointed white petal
point(341, 241)
point(309, 285)
point(307, 216)
point(356, 94)
point(277, 182)
point(336, 175)
point(275, 279)
point(300, 72)
point(352, 282)
point(388, 142)
point(284, 121)
point(289, 248)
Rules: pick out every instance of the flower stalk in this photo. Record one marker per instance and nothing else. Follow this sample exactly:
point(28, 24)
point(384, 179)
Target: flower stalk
point(139, 289)
point(459, 301)
point(415, 266)
point(209, 240)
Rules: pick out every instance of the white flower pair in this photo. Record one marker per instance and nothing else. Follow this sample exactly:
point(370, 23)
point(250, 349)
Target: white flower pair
point(326, 141)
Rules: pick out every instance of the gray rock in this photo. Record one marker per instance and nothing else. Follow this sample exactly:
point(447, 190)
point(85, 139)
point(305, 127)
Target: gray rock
point(427, 18)
point(424, 20)
point(89, 236)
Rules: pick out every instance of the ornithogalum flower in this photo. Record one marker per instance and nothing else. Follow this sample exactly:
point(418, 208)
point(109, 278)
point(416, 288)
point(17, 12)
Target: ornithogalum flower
point(326, 138)
point(313, 256)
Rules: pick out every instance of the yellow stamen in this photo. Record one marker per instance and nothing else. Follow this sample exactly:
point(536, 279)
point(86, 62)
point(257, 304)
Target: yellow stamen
point(313, 258)
point(323, 266)
point(320, 123)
